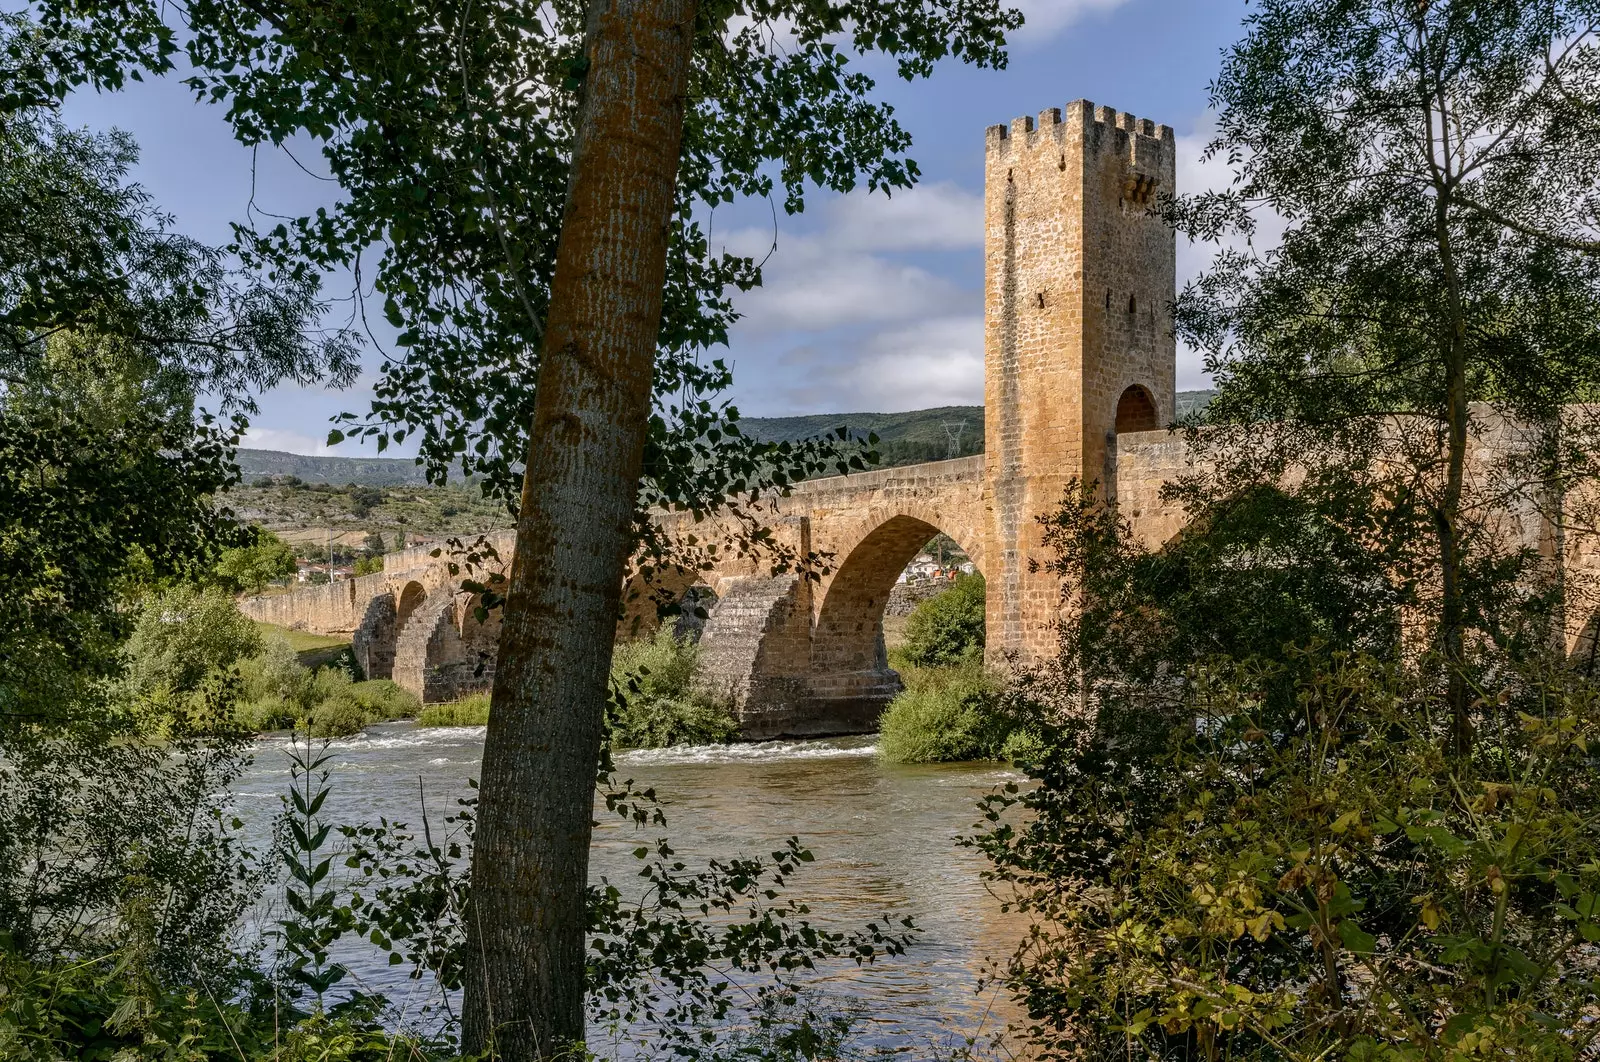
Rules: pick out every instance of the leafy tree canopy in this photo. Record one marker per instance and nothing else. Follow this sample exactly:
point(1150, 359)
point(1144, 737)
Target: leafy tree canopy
point(449, 135)
point(111, 328)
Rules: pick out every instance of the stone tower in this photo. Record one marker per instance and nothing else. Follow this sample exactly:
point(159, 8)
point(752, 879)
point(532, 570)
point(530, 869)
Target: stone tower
point(1078, 341)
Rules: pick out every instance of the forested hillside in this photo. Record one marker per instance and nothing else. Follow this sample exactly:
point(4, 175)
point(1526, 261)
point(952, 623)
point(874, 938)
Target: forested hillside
point(903, 439)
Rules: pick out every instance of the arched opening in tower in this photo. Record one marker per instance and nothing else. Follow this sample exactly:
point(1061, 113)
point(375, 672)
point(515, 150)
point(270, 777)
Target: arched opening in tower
point(1136, 411)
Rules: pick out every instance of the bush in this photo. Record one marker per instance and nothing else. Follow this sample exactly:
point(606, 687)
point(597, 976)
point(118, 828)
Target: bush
point(472, 710)
point(944, 715)
point(184, 637)
point(658, 700)
point(1251, 884)
point(947, 629)
point(383, 699)
point(280, 692)
point(338, 716)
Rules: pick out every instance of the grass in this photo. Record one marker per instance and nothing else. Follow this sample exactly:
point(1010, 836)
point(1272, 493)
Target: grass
point(472, 710)
point(303, 641)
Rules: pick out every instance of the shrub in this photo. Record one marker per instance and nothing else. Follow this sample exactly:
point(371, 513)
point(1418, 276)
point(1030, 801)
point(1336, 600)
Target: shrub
point(183, 637)
point(338, 716)
point(945, 714)
point(383, 699)
point(947, 629)
point(657, 698)
point(278, 689)
point(1321, 883)
point(472, 710)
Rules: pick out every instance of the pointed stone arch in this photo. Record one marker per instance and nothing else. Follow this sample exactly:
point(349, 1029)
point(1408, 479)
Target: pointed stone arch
point(373, 641)
point(1136, 411)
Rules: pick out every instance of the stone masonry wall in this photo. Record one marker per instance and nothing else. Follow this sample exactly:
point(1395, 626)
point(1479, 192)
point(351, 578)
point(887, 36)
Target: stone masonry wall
point(1078, 277)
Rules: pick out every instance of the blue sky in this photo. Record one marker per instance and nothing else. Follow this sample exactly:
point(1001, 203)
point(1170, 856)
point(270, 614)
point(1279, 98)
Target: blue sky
point(870, 303)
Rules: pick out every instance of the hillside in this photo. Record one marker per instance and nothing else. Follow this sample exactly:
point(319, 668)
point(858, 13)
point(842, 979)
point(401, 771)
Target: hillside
point(903, 439)
point(367, 471)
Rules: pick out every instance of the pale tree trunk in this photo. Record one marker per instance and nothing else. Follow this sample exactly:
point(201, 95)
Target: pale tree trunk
point(525, 976)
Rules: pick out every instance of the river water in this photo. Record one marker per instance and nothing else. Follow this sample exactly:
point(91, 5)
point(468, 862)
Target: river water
point(883, 837)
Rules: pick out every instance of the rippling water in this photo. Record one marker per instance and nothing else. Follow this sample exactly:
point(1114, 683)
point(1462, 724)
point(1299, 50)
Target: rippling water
point(883, 837)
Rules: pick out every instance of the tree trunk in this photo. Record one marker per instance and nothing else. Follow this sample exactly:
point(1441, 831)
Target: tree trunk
point(525, 976)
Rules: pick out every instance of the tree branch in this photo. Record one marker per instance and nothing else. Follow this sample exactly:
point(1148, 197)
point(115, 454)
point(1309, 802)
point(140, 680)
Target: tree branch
point(1571, 243)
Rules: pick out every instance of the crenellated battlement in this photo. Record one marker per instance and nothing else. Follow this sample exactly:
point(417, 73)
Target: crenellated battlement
point(1094, 122)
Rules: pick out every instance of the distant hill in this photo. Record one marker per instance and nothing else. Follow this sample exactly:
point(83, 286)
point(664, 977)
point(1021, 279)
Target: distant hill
point(903, 439)
point(1189, 401)
point(365, 471)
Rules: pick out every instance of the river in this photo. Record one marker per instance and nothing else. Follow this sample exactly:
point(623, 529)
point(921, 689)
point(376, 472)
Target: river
point(883, 837)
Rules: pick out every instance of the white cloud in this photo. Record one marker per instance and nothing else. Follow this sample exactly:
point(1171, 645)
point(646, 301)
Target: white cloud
point(294, 442)
point(816, 287)
point(929, 217)
point(1046, 18)
point(931, 363)
point(846, 273)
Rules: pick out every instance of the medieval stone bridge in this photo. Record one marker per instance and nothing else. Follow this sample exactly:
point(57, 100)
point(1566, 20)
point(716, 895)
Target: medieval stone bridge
point(1079, 363)
point(1079, 383)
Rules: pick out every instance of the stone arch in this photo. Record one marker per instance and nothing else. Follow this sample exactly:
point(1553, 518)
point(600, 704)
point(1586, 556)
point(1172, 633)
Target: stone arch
point(847, 652)
point(480, 641)
point(646, 594)
point(1136, 411)
point(412, 596)
point(372, 643)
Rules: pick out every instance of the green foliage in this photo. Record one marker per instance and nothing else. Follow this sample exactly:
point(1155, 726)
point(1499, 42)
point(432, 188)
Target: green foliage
point(93, 832)
point(1424, 163)
point(368, 565)
point(385, 699)
point(97, 1008)
point(472, 710)
point(185, 636)
point(252, 567)
point(315, 920)
point(110, 325)
point(280, 693)
point(1255, 571)
point(946, 630)
point(944, 715)
point(657, 699)
point(1323, 883)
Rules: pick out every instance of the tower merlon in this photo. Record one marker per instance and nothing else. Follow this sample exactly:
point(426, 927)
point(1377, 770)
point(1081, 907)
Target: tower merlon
point(1052, 125)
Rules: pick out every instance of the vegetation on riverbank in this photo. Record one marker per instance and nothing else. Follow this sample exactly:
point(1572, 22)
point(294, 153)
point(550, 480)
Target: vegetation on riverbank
point(658, 698)
point(472, 710)
point(951, 709)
